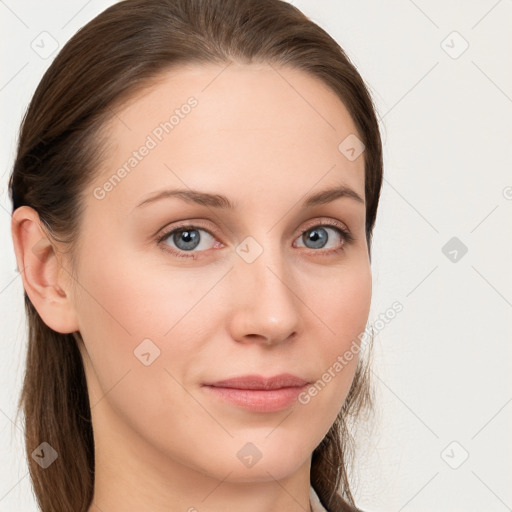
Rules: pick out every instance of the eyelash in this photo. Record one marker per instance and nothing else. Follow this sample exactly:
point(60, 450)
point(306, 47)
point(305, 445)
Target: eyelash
point(346, 236)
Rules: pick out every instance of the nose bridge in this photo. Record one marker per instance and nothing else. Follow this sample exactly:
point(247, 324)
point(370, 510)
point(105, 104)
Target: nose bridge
point(265, 304)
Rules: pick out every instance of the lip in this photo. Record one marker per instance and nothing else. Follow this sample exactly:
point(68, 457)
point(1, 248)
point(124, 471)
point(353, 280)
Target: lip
point(258, 393)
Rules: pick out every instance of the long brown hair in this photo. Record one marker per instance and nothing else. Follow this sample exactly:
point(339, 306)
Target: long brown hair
point(117, 54)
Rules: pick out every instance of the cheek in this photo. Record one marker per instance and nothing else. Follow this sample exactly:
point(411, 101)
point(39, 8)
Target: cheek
point(344, 306)
point(143, 320)
point(126, 298)
point(129, 317)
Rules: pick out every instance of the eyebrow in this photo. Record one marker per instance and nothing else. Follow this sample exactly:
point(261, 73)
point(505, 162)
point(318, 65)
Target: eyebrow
point(222, 202)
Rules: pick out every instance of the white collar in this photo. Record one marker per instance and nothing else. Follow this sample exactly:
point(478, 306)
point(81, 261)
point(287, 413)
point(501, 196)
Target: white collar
point(315, 501)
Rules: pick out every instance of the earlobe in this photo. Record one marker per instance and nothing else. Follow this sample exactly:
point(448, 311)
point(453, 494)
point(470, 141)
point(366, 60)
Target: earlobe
point(40, 269)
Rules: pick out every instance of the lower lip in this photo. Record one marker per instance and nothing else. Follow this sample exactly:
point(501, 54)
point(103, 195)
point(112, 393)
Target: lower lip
point(260, 400)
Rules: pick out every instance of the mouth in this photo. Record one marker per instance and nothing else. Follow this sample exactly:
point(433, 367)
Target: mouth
point(258, 393)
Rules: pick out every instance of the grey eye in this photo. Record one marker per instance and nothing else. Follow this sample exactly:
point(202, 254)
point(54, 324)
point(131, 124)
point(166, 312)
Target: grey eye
point(318, 236)
point(188, 239)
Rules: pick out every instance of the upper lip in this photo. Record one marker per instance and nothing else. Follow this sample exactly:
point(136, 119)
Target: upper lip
point(283, 380)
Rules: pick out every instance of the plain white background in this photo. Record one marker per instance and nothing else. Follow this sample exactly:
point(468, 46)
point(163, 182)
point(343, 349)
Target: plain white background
point(440, 74)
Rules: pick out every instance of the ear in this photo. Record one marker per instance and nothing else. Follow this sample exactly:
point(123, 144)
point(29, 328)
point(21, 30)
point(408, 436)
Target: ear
point(46, 282)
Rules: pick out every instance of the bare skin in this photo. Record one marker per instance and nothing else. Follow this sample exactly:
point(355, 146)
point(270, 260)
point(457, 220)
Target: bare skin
point(266, 138)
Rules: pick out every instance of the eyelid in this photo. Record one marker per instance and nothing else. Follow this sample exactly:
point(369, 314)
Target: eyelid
point(346, 234)
point(324, 221)
point(200, 224)
point(190, 224)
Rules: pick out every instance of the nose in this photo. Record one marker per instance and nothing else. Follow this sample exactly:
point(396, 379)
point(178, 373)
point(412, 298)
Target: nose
point(266, 308)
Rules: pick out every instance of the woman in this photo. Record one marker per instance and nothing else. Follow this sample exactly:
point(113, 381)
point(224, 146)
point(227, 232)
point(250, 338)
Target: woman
point(194, 194)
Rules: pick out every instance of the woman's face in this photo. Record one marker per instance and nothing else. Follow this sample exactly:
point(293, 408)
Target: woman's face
point(240, 291)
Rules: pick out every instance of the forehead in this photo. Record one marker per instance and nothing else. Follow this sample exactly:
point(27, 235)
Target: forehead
point(238, 126)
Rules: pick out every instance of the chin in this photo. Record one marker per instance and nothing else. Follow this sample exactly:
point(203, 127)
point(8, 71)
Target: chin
point(264, 472)
point(264, 460)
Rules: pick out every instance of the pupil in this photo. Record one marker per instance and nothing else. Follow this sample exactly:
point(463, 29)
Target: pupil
point(317, 237)
point(186, 239)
